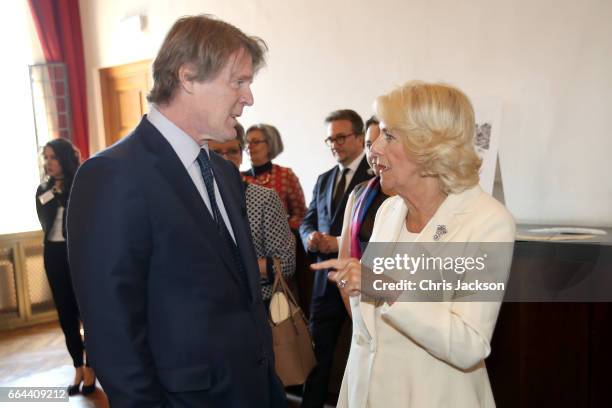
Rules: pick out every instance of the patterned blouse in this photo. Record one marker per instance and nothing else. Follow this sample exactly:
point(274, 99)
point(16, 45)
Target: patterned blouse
point(286, 184)
point(270, 232)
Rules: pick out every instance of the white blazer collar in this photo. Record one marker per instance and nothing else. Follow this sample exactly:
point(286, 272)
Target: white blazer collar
point(445, 223)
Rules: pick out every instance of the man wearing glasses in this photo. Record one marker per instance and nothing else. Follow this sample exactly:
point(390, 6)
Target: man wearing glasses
point(319, 231)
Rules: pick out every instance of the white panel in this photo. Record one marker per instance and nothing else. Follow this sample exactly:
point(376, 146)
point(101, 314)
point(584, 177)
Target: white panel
point(549, 63)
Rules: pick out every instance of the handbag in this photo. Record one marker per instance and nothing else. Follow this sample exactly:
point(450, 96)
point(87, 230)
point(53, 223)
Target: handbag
point(293, 350)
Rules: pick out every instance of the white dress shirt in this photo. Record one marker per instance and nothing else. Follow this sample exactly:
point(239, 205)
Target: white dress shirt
point(187, 151)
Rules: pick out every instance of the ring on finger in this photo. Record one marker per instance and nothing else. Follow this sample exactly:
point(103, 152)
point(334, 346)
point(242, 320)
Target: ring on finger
point(342, 283)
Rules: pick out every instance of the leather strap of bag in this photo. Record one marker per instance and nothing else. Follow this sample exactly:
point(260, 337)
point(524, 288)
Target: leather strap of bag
point(281, 285)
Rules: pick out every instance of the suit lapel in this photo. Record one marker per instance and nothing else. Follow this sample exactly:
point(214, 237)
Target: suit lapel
point(329, 188)
point(177, 177)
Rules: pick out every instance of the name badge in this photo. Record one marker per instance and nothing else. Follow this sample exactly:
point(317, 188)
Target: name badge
point(44, 198)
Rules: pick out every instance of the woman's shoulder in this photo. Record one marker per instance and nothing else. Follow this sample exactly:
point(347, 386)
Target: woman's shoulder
point(281, 169)
point(260, 194)
point(490, 218)
point(43, 187)
point(485, 204)
point(286, 174)
point(256, 189)
point(360, 187)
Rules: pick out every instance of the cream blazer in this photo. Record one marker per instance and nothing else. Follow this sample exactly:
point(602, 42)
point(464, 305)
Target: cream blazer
point(427, 355)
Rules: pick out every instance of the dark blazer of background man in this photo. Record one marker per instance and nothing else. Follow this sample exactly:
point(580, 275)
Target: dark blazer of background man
point(319, 231)
point(170, 300)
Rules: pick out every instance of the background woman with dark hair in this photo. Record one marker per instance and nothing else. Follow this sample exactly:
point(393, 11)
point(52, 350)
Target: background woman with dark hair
point(61, 160)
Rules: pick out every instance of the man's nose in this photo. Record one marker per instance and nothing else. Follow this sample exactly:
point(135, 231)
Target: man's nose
point(247, 97)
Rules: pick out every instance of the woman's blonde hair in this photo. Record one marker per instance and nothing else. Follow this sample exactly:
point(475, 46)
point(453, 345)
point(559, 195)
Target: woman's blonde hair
point(436, 125)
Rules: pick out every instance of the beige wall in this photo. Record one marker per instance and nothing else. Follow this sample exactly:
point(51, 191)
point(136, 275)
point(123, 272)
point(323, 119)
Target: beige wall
point(547, 63)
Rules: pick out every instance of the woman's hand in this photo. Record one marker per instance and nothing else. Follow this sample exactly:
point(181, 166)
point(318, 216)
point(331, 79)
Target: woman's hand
point(346, 273)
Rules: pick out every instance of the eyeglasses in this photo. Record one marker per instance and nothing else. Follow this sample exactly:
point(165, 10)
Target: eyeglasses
point(228, 152)
point(256, 142)
point(338, 139)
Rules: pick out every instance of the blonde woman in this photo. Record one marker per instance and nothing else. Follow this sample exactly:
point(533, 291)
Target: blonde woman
point(423, 354)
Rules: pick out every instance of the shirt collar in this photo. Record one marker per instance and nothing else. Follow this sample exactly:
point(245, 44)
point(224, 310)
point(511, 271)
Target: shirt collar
point(183, 145)
point(354, 164)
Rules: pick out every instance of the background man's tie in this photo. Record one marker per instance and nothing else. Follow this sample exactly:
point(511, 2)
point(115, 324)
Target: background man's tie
point(339, 190)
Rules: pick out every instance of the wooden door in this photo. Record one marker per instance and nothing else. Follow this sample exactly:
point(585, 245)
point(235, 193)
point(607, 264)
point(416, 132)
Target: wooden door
point(124, 90)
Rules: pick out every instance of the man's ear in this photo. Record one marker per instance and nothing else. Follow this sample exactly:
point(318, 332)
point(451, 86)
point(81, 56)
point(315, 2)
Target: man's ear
point(186, 77)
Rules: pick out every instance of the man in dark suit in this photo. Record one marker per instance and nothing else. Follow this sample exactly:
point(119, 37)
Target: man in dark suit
point(163, 264)
point(320, 230)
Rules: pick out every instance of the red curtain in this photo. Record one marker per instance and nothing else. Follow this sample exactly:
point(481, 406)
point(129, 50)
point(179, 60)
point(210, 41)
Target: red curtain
point(58, 25)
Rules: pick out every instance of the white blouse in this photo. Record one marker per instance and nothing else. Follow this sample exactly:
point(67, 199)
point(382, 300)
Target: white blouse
point(56, 234)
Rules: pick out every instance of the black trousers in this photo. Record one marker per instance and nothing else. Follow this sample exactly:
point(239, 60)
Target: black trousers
point(58, 274)
point(327, 316)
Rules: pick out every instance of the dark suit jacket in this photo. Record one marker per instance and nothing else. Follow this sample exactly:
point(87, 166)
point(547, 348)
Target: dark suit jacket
point(48, 212)
point(319, 217)
point(168, 318)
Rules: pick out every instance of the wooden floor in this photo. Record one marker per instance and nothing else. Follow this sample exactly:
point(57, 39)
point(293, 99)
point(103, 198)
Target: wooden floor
point(37, 357)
